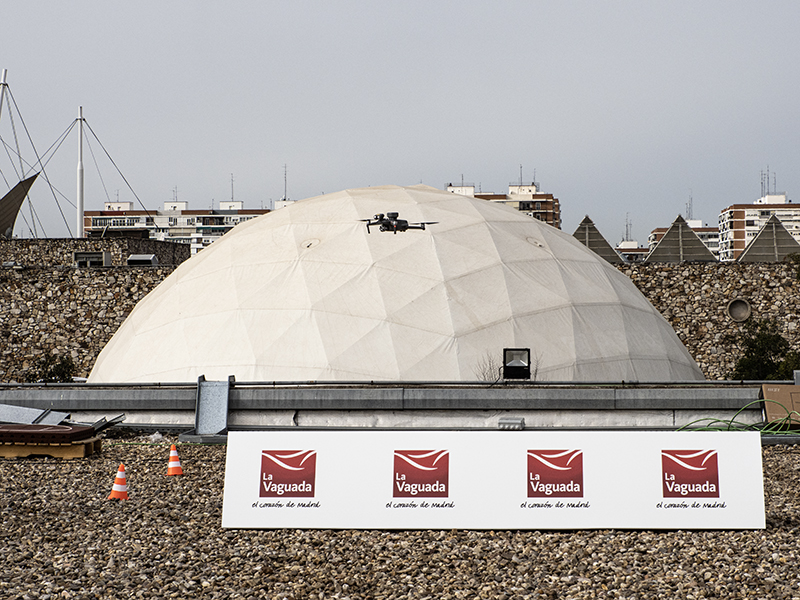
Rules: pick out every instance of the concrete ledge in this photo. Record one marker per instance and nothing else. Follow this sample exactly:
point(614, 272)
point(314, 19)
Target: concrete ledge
point(394, 405)
point(730, 398)
point(310, 398)
point(501, 398)
point(191, 438)
point(774, 440)
point(115, 399)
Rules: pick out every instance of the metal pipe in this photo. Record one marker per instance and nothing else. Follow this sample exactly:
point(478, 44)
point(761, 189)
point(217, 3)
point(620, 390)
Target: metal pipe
point(79, 230)
point(3, 86)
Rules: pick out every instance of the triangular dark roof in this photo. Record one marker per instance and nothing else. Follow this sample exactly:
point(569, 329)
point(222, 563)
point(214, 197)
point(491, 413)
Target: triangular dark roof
point(10, 205)
point(588, 235)
point(772, 244)
point(680, 244)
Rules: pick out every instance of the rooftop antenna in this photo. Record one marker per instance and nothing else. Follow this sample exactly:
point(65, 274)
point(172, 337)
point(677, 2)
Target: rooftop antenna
point(284, 183)
point(628, 227)
point(462, 180)
point(520, 174)
point(689, 206)
point(175, 194)
point(767, 179)
point(79, 229)
point(774, 183)
point(231, 187)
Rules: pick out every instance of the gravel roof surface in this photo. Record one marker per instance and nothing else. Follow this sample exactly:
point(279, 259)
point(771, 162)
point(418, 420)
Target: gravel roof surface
point(62, 538)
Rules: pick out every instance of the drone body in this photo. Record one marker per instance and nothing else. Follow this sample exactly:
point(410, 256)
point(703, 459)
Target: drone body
point(391, 222)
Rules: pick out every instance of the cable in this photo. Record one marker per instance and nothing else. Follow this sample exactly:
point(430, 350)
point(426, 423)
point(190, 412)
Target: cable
point(147, 212)
point(782, 426)
point(38, 161)
point(96, 166)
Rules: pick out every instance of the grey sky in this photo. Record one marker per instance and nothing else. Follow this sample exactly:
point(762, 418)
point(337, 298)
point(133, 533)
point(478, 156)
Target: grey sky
point(620, 107)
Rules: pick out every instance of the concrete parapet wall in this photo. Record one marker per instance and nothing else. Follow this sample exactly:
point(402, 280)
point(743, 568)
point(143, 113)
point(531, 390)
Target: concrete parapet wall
point(373, 406)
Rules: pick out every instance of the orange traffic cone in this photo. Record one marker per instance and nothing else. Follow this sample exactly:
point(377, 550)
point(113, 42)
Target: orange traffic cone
point(174, 467)
point(120, 489)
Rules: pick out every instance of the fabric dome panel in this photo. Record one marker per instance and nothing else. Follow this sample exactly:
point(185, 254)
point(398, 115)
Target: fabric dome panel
point(310, 292)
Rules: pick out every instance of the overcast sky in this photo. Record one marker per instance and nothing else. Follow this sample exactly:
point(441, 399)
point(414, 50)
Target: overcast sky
point(620, 108)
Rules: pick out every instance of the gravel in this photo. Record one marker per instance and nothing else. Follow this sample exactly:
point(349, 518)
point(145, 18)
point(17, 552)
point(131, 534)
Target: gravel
point(62, 538)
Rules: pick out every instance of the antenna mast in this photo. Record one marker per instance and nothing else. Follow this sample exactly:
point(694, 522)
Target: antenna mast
point(284, 183)
point(767, 179)
point(231, 187)
point(79, 230)
point(3, 86)
point(689, 207)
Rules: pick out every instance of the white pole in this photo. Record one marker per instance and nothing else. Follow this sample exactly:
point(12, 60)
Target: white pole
point(3, 86)
point(79, 232)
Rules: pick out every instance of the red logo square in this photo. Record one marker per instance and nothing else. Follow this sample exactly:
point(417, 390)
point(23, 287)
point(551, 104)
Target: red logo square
point(421, 473)
point(288, 473)
point(690, 473)
point(555, 473)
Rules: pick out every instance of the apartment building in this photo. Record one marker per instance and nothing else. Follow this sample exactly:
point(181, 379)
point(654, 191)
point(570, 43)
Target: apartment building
point(739, 224)
point(175, 223)
point(524, 197)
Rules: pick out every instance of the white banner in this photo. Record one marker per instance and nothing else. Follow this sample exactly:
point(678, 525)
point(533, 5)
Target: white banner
point(493, 480)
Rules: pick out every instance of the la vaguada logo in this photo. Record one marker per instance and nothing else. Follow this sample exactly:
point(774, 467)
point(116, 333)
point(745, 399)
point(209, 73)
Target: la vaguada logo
point(555, 473)
point(421, 473)
point(690, 473)
point(288, 473)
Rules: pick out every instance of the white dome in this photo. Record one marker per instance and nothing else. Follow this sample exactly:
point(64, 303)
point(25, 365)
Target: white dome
point(306, 293)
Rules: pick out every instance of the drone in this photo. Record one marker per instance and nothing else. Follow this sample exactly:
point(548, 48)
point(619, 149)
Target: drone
point(391, 222)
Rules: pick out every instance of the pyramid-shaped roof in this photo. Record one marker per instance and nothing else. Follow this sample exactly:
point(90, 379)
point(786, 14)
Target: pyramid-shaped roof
point(10, 205)
point(307, 292)
point(680, 244)
point(588, 235)
point(772, 244)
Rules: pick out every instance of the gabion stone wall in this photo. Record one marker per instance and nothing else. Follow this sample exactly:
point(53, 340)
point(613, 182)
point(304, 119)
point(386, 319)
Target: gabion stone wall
point(74, 311)
point(65, 311)
point(59, 252)
point(694, 298)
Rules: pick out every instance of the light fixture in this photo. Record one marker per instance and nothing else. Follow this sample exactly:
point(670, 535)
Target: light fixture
point(516, 363)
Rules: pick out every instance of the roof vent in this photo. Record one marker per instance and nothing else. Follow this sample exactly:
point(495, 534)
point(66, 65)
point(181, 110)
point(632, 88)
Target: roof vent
point(92, 259)
point(142, 260)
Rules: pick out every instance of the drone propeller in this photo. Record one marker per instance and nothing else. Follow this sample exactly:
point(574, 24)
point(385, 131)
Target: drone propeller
point(391, 222)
